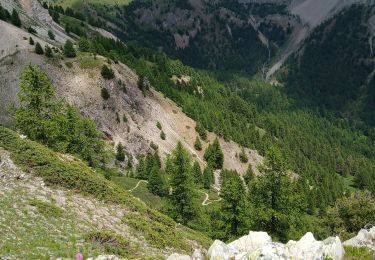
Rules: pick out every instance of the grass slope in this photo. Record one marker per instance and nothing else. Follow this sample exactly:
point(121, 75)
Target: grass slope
point(158, 229)
point(77, 3)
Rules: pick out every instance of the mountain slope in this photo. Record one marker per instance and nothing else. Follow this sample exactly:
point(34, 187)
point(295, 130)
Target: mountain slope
point(81, 200)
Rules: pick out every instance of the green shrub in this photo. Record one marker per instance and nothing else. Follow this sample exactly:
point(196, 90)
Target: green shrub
point(107, 73)
point(51, 35)
point(31, 30)
point(69, 50)
point(105, 94)
point(162, 135)
point(38, 49)
point(201, 131)
point(110, 241)
point(48, 51)
point(358, 253)
point(198, 144)
point(243, 156)
point(158, 125)
point(46, 208)
point(15, 19)
point(69, 64)
point(31, 41)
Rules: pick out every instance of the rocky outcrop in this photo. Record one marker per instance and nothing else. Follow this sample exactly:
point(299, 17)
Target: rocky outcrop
point(364, 238)
point(197, 255)
point(259, 245)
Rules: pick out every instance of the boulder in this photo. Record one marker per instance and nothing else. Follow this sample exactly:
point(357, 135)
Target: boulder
point(333, 248)
point(197, 255)
point(251, 242)
point(219, 250)
point(306, 248)
point(364, 238)
point(176, 256)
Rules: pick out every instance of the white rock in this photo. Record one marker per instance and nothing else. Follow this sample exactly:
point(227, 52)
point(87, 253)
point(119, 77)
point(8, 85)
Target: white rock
point(251, 242)
point(306, 248)
point(333, 249)
point(219, 250)
point(364, 238)
point(197, 255)
point(176, 256)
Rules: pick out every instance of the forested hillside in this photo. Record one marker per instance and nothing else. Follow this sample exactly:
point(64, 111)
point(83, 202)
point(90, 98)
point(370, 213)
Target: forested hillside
point(314, 126)
point(334, 69)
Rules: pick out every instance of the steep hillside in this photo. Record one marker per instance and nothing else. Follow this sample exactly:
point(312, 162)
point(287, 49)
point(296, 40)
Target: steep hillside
point(63, 206)
point(343, 80)
point(127, 117)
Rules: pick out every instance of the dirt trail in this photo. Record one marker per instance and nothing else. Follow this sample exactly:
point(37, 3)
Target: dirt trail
point(138, 183)
point(207, 200)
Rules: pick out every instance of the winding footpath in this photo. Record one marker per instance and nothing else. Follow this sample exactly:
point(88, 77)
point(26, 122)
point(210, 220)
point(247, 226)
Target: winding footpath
point(206, 199)
point(136, 186)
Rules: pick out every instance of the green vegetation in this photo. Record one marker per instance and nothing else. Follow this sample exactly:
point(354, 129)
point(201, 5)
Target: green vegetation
point(31, 30)
point(357, 253)
point(52, 122)
point(4, 14)
point(213, 155)
point(48, 51)
point(349, 214)
point(51, 35)
point(277, 200)
point(15, 19)
point(197, 144)
point(182, 206)
point(105, 94)
point(31, 41)
point(75, 175)
point(107, 73)
point(162, 135)
point(69, 50)
point(111, 242)
point(243, 156)
point(46, 208)
point(39, 49)
point(120, 152)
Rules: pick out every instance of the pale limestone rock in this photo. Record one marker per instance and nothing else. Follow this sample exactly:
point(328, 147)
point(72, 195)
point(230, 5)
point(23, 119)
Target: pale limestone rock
point(219, 250)
point(333, 248)
point(251, 242)
point(197, 255)
point(364, 238)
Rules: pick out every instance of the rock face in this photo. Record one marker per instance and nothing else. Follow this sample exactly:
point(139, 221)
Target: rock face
point(259, 245)
point(364, 238)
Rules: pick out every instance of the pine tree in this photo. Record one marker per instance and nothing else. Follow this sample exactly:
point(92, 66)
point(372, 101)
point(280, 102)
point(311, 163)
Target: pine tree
point(181, 204)
point(208, 177)
point(275, 196)
point(197, 174)
point(38, 49)
point(31, 41)
point(141, 169)
point(243, 156)
point(15, 19)
point(84, 45)
point(69, 50)
point(198, 144)
point(249, 175)
point(51, 35)
point(213, 155)
point(48, 51)
point(107, 73)
point(155, 182)
point(234, 209)
point(201, 131)
point(120, 153)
